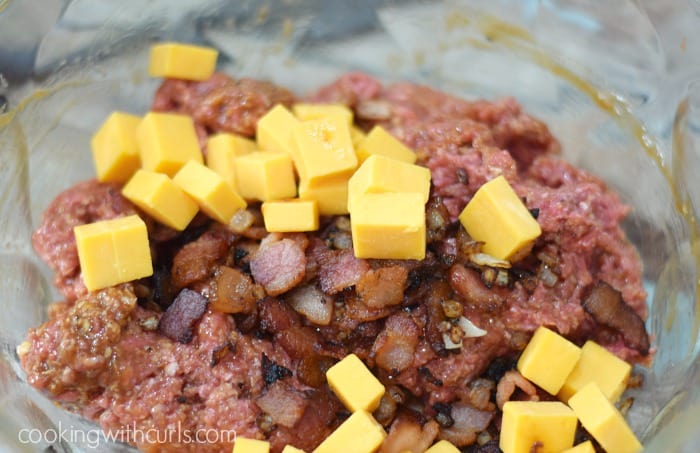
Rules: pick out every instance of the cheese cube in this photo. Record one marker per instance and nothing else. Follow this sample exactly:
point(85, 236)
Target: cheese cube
point(290, 449)
point(497, 217)
point(549, 424)
point(114, 148)
point(331, 197)
point(442, 447)
point(389, 226)
point(354, 384)
point(244, 445)
point(585, 447)
point(222, 149)
point(290, 216)
point(274, 131)
point(379, 141)
point(113, 251)
point(216, 198)
point(265, 176)
point(597, 365)
point(159, 197)
point(360, 433)
point(166, 142)
point(307, 112)
point(603, 421)
point(379, 174)
point(325, 150)
point(548, 359)
point(356, 135)
point(182, 61)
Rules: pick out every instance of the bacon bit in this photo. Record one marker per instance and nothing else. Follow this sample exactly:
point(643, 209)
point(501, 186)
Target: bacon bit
point(273, 372)
point(406, 434)
point(194, 261)
point(508, 384)
point(279, 266)
point(383, 287)
point(312, 303)
point(177, 323)
point(232, 291)
point(429, 377)
point(468, 422)
point(283, 404)
point(395, 347)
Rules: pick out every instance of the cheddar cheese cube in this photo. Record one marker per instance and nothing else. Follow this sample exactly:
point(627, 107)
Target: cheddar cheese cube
point(182, 61)
point(115, 151)
point(598, 365)
point(274, 131)
point(244, 445)
point(357, 135)
point(360, 433)
point(214, 196)
point(166, 142)
point(379, 174)
point(290, 449)
point(159, 197)
point(113, 251)
point(331, 197)
point(585, 447)
point(499, 219)
point(603, 421)
point(306, 112)
point(354, 384)
point(548, 359)
point(324, 149)
point(389, 226)
point(443, 446)
point(379, 141)
point(290, 215)
point(222, 149)
point(550, 425)
point(265, 176)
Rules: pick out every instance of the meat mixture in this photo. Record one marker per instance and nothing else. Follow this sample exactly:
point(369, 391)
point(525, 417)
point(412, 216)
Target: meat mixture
point(236, 328)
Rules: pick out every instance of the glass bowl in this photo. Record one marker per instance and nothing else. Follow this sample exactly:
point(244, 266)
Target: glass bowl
point(612, 80)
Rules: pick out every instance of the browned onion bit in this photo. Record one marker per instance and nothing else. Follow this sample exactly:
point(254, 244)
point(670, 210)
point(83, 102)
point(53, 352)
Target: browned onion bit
point(437, 219)
point(452, 308)
point(178, 321)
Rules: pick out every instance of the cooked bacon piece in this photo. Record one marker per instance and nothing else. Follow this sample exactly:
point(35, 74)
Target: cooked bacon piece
point(279, 266)
point(178, 321)
point(383, 287)
point(232, 291)
point(194, 262)
point(395, 347)
point(511, 381)
point(311, 302)
point(468, 422)
point(276, 316)
point(407, 434)
point(468, 284)
point(284, 404)
point(337, 269)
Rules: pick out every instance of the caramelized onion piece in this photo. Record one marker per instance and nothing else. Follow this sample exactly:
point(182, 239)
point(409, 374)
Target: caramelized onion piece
point(468, 423)
point(511, 381)
point(177, 323)
point(232, 291)
point(408, 435)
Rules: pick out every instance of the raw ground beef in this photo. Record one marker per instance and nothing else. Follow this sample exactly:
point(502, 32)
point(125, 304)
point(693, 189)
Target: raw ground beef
point(259, 368)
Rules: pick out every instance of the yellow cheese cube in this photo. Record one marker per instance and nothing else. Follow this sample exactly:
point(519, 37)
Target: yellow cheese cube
point(265, 176)
point(442, 447)
point(549, 424)
point(290, 449)
point(325, 151)
point(114, 148)
point(166, 142)
point(274, 131)
point(354, 384)
point(244, 445)
point(585, 447)
point(603, 421)
point(159, 197)
point(216, 198)
point(222, 149)
point(182, 61)
point(497, 217)
point(548, 359)
point(597, 365)
point(379, 141)
point(290, 216)
point(389, 226)
point(331, 197)
point(360, 433)
point(379, 174)
point(357, 135)
point(113, 251)
point(307, 112)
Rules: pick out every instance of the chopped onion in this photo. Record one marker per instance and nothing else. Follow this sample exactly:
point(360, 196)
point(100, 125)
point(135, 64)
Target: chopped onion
point(482, 259)
point(449, 344)
point(241, 221)
point(470, 330)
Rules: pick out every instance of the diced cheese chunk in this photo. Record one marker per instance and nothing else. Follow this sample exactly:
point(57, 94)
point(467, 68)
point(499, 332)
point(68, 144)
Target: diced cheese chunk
point(585, 447)
point(290, 215)
point(159, 197)
point(550, 425)
point(499, 219)
point(325, 150)
point(360, 433)
point(244, 445)
point(380, 174)
point(307, 112)
point(331, 197)
point(265, 176)
point(222, 149)
point(389, 226)
point(214, 196)
point(290, 449)
point(115, 151)
point(379, 141)
point(357, 135)
point(548, 359)
point(603, 421)
point(354, 384)
point(113, 251)
point(166, 142)
point(182, 61)
point(274, 131)
point(597, 365)
point(443, 446)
